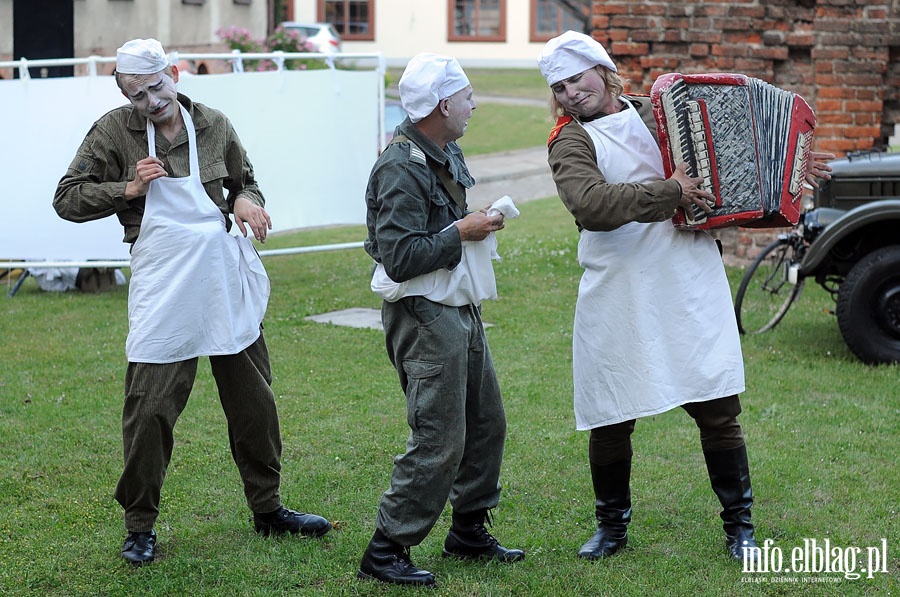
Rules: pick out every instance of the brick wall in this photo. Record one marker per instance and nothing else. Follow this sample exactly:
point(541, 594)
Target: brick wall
point(842, 56)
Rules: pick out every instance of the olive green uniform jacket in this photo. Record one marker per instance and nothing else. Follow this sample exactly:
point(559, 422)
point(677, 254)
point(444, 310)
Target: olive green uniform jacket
point(597, 205)
point(94, 185)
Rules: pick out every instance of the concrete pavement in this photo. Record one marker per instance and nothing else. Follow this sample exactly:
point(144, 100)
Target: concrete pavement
point(522, 174)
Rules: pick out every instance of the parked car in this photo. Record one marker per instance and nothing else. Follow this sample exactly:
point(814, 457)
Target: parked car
point(856, 256)
point(323, 36)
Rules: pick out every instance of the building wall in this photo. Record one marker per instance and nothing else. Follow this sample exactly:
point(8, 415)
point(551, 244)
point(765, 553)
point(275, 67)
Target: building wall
point(840, 55)
point(6, 29)
point(101, 26)
point(403, 28)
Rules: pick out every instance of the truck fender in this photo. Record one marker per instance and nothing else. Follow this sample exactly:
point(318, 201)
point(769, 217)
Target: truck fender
point(859, 217)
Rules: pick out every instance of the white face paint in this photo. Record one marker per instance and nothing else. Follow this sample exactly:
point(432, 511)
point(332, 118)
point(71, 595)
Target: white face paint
point(153, 96)
point(460, 105)
point(584, 94)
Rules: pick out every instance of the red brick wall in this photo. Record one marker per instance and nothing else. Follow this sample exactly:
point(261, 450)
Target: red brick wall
point(842, 56)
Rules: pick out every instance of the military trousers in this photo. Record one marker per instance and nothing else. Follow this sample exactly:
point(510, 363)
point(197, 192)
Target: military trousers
point(156, 395)
point(455, 413)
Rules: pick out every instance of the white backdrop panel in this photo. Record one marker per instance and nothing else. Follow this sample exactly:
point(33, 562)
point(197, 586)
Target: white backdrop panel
point(311, 136)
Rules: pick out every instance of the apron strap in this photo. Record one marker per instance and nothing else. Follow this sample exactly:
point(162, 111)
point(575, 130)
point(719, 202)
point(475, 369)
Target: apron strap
point(193, 156)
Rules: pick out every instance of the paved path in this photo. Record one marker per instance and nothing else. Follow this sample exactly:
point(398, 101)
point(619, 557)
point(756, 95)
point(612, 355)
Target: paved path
point(522, 174)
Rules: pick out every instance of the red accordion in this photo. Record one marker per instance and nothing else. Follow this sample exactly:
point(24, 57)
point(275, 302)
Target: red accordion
point(749, 140)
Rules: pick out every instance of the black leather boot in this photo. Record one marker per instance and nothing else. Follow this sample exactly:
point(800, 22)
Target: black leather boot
point(139, 548)
point(390, 562)
point(613, 509)
point(729, 475)
point(283, 521)
point(469, 539)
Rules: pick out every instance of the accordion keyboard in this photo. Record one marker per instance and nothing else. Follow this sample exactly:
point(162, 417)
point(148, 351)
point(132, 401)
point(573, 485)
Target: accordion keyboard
point(689, 143)
point(801, 152)
point(702, 162)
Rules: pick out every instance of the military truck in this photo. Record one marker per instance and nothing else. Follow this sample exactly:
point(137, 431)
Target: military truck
point(856, 254)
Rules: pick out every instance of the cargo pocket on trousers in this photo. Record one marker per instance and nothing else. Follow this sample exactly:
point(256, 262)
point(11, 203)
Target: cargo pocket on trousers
point(422, 388)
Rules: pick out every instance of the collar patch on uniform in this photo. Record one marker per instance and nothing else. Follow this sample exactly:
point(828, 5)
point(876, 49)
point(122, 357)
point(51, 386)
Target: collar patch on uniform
point(560, 123)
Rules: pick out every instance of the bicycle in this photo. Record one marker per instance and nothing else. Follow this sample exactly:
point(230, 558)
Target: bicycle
point(772, 282)
point(766, 292)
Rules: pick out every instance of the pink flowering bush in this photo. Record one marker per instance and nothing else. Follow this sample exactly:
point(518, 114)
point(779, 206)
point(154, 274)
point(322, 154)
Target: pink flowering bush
point(281, 39)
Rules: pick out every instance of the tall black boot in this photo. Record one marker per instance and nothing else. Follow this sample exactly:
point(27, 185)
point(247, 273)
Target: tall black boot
point(729, 475)
point(469, 539)
point(613, 509)
point(390, 562)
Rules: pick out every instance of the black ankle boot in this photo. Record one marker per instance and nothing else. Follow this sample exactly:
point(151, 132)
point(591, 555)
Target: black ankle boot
point(612, 507)
point(390, 562)
point(469, 539)
point(139, 548)
point(729, 475)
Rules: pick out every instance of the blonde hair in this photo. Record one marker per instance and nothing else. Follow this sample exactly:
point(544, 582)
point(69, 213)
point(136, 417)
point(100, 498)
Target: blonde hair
point(615, 85)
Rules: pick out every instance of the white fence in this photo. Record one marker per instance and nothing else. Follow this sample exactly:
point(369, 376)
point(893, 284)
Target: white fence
point(312, 136)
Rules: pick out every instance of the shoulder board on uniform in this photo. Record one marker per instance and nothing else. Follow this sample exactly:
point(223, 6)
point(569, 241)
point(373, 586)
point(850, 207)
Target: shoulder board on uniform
point(416, 155)
point(560, 123)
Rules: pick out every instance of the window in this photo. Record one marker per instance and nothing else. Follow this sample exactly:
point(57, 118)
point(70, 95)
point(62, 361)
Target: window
point(352, 19)
point(549, 18)
point(477, 20)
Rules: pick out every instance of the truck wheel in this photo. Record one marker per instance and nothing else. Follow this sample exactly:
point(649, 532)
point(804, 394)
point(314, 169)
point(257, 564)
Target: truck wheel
point(868, 307)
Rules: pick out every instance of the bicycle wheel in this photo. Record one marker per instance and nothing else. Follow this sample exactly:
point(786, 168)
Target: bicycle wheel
point(765, 295)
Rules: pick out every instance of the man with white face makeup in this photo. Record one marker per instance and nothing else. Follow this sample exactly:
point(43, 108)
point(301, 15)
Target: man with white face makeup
point(417, 222)
point(163, 165)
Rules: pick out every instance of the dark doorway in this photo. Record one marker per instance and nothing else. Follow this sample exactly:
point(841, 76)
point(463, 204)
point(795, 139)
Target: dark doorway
point(44, 29)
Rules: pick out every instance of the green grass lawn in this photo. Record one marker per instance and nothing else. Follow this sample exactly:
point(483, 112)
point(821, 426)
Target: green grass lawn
point(496, 127)
point(821, 428)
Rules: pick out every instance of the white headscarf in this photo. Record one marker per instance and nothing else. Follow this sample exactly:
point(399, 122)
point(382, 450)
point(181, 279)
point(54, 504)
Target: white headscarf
point(569, 54)
point(141, 57)
point(428, 79)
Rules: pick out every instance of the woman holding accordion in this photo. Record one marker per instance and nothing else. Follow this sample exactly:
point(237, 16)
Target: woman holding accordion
point(654, 323)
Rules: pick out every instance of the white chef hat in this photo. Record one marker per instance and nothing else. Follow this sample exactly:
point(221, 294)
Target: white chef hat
point(428, 79)
point(141, 57)
point(571, 53)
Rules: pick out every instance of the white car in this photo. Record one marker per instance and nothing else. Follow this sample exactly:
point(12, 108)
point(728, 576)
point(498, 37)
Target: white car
point(323, 36)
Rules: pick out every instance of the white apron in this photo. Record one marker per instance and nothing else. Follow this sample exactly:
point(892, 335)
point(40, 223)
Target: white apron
point(469, 283)
point(195, 289)
point(654, 322)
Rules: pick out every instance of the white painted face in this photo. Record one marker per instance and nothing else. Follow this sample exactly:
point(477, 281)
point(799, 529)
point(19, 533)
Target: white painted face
point(584, 94)
point(153, 96)
point(460, 106)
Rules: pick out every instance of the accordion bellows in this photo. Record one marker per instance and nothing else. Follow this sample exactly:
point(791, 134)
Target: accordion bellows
point(749, 140)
